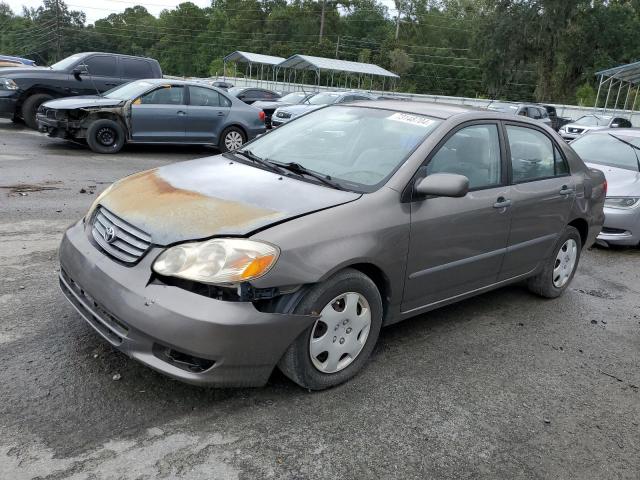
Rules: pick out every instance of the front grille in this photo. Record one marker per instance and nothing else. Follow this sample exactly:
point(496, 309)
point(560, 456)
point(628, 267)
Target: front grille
point(575, 130)
point(118, 238)
point(98, 317)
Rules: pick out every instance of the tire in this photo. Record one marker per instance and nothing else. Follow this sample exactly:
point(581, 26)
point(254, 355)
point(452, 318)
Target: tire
point(338, 334)
point(105, 136)
point(549, 283)
point(230, 137)
point(30, 108)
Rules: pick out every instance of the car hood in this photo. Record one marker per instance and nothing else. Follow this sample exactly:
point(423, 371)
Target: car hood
point(620, 182)
point(89, 101)
point(27, 72)
point(586, 128)
point(214, 196)
point(296, 110)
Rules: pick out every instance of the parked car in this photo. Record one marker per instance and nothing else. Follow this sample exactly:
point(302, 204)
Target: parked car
point(535, 112)
point(252, 94)
point(23, 90)
point(556, 121)
point(295, 249)
point(11, 61)
point(587, 123)
point(153, 111)
point(268, 107)
point(615, 152)
point(283, 115)
point(222, 85)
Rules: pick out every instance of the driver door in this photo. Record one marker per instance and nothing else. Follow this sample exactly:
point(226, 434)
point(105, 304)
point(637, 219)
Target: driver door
point(457, 245)
point(160, 115)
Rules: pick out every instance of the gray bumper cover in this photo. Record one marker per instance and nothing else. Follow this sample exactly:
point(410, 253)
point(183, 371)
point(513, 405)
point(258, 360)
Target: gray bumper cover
point(137, 317)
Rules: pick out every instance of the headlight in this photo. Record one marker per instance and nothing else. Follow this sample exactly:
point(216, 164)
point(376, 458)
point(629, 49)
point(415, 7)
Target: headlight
point(621, 202)
point(221, 260)
point(8, 84)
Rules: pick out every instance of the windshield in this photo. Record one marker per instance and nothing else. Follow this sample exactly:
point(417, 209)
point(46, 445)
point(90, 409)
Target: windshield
point(606, 150)
point(593, 121)
point(128, 90)
point(295, 97)
point(65, 63)
point(324, 98)
point(358, 147)
point(503, 107)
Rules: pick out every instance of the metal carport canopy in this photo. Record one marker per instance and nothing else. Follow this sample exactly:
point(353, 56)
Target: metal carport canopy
point(307, 62)
point(629, 73)
point(248, 57)
point(623, 76)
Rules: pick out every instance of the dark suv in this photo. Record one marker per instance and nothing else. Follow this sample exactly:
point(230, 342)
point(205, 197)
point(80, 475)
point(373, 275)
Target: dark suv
point(23, 90)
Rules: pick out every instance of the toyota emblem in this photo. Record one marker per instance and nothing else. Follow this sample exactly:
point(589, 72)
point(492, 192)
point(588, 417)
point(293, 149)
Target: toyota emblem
point(109, 234)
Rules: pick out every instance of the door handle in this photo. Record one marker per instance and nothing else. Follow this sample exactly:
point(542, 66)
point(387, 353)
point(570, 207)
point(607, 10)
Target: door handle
point(181, 112)
point(221, 114)
point(112, 84)
point(502, 203)
point(566, 190)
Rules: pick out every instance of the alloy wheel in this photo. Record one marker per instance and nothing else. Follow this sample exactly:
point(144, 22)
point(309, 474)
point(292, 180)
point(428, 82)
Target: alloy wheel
point(338, 336)
point(233, 140)
point(565, 263)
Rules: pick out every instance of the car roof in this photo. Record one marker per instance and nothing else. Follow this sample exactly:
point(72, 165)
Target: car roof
point(437, 110)
point(625, 132)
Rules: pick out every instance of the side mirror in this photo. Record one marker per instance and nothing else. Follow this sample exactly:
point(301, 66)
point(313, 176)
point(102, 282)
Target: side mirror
point(80, 70)
point(443, 185)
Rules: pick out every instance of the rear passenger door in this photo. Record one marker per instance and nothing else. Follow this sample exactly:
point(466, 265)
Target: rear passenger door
point(135, 69)
point(457, 244)
point(542, 194)
point(206, 115)
point(160, 115)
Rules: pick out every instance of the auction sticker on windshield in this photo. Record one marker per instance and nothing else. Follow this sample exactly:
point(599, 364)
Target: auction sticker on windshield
point(413, 119)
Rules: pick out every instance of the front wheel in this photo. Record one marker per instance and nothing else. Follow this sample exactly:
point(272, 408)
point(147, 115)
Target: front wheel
point(232, 138)
point(341, 340)
point(30, 108)
point(560, 268)
point(105, 136)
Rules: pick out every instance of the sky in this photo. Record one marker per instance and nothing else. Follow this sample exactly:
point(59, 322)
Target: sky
point(96, 10)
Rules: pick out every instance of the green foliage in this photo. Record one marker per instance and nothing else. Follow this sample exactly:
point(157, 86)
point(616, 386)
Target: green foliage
point(545, 50)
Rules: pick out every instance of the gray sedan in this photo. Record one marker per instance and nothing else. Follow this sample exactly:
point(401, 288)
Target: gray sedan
point(153, 111)
point(615, 152)
point(297, 248)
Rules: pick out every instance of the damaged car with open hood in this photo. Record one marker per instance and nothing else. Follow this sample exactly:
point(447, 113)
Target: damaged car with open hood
point(295, 249)
point(153, 111)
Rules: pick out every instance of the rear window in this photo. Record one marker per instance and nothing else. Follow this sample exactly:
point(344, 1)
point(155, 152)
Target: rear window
point(134, 69)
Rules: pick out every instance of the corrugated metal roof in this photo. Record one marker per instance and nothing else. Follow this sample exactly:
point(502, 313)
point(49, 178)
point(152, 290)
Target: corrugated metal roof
point(307, 62)
point(248, 57)
point(627, 73)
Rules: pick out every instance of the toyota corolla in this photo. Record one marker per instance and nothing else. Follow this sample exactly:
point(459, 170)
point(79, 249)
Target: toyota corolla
point(294, 250)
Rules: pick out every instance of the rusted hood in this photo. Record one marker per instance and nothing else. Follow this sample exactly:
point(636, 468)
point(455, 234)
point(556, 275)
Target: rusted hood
point(214, 196)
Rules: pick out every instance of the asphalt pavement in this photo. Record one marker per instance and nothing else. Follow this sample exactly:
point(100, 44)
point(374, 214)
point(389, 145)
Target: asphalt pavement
point(502, 386)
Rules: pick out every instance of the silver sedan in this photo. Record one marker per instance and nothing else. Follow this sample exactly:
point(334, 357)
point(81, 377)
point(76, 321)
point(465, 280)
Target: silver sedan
point(615, 152)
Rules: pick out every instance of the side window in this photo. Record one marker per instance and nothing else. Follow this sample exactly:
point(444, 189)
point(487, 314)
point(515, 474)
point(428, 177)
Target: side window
point(346, 98)
point(534, 113)
point(533, 155)
point(165, 95)
point(523, 112)
point(473, 152)
point(135, 69)
point(224, 101)
point(101, 65)
point(203, 97)
point(543, 113)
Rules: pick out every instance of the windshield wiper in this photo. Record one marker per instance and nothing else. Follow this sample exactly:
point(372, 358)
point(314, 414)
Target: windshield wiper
point(256, 159)
point(635, 148)
point(300, 170)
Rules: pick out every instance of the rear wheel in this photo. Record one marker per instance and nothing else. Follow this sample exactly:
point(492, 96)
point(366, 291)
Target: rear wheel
point(30, 108)
point(232, 138)
point(105, 136)
point(559, 270)
point(341, 340)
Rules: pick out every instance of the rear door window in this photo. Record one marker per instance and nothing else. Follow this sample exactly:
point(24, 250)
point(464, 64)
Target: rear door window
point(203, 97)
point(135, 69)
point(533, 155)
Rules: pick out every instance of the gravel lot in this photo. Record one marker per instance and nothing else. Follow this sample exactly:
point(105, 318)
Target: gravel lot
point(504, 385)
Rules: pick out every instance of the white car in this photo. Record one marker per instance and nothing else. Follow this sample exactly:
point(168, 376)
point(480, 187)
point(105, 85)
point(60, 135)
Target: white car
point(586, 123)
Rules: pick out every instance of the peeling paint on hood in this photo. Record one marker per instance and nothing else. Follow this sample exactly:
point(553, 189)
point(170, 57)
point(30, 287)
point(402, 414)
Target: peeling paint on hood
point(213, 196)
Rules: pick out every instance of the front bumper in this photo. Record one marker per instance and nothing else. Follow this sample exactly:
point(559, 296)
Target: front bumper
point(621, 226)
point(8, 103)
point(55, 127)
point(146, 320)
